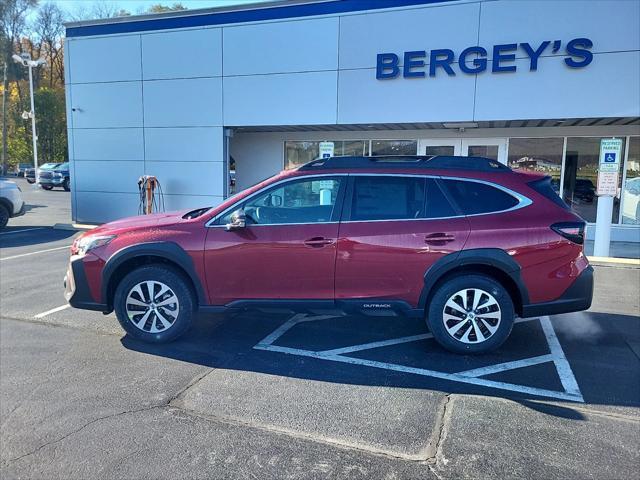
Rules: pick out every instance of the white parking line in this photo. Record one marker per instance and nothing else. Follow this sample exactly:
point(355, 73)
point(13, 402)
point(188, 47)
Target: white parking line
point(23, 230)
point(53, 310)
point(571, 390)
point(35, 253)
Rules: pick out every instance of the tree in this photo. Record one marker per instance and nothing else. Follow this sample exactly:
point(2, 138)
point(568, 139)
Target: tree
point(49, 29)
point(159, 8)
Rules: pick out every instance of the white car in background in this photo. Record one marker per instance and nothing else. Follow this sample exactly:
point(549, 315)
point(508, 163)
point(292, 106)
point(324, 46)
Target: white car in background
point(11, 203)
point(631, 204)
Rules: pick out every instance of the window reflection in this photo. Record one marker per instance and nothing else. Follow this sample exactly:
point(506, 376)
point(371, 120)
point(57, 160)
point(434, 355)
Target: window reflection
point(581, 177)
point(486, 151)
point(543, 155)
point(299, 153)
point(631, 190)
point(394, 147)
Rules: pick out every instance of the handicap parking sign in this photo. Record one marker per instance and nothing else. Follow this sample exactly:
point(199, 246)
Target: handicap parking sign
point(610, 157)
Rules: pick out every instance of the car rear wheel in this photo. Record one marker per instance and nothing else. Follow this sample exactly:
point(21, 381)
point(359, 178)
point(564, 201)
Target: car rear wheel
point(66, 185)
point(4, 216)
point(154, 304)
point(471, 314)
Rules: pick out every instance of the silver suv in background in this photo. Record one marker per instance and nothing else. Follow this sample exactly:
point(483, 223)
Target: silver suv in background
point(11, 203)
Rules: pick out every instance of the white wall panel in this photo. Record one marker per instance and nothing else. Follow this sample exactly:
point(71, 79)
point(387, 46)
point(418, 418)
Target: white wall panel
point(100, 207)
point(294, 46)
point(257, 156)
point(107, 105)
point(363, 99)
point(194, 144)
point(362, 37)
point(108, 144)
point(184, 202)
point(108, 176)
point(195, 102)
point(556, 91)
point(611, 24)
point(287, 99)
point(188, 178)
point(185, 54)
point(106, 59)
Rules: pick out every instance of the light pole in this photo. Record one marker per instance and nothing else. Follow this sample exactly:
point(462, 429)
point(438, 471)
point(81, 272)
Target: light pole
point(25, 60)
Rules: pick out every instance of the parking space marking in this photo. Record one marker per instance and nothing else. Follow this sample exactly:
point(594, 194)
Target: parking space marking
point(53, 310)
point(35, 253)
point(571, 390)
point(23, 230)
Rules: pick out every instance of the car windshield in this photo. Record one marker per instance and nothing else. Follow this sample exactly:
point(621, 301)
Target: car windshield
point(62, 166)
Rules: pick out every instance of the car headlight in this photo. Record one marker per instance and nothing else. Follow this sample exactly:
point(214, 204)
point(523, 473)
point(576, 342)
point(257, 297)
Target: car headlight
point(57, 175)
point(82, 245)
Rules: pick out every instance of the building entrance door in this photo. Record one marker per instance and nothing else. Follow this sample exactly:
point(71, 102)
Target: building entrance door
point(495, 148)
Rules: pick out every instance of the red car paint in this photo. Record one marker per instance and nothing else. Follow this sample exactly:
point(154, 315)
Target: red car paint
point(377, 259)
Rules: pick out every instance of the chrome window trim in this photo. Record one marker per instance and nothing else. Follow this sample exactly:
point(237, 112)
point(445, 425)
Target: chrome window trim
point(523, 201)
point(254, 194)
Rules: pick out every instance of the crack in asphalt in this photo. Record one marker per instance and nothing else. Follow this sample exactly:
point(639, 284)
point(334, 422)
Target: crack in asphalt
point(442, 425)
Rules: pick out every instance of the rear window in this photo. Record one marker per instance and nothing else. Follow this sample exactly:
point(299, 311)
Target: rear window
point(545, 188)
point(387, 198)
point(475, 197)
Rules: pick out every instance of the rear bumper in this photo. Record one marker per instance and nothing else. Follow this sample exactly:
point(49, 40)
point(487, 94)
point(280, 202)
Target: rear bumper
point(575, 299)
point(76, 288)
point(22, 210)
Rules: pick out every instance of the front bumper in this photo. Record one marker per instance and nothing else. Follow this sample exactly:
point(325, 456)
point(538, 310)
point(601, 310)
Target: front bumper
point(576, 298)
point(51, 181)
point(76, 288)
point(22, 210)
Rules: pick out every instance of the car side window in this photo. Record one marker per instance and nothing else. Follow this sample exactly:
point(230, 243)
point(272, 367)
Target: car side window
point(437, 204)
point(307, 200)
point(474, 197)
point(387, 198)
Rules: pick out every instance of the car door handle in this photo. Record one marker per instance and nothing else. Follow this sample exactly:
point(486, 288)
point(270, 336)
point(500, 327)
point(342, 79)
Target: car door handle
point(439, 238)
point(317, 242)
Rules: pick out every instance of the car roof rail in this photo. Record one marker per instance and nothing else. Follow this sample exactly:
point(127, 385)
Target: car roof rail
point(441, 162)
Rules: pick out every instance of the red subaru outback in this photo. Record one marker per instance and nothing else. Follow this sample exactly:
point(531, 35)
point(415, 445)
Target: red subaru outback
point(463, 242)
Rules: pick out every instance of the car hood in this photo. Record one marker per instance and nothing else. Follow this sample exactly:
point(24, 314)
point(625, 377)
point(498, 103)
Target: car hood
point(141, 221)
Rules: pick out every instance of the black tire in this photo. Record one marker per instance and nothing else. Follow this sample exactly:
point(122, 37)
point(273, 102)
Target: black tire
point(47, 187)
point(4, 216)
point(177, 284)
point(66, 185)
point(31, 181)
point(474, 344)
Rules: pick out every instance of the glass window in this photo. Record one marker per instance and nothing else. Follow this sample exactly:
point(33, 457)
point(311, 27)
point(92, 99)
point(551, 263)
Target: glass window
point(394, 147)
point(581, 177)
point(631, 190)
point(543, 155)
point(474, 197)
point(299, 153)
point(437, 204)
point(446, 150)
point(297, 201)
point(387, 198)
point(487, 151)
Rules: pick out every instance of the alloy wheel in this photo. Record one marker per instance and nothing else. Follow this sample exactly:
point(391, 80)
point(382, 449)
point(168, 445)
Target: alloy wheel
point(152, 306)
point(471, 315)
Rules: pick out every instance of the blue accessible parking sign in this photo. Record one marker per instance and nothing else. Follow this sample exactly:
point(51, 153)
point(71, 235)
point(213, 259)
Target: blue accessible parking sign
point(610, 157)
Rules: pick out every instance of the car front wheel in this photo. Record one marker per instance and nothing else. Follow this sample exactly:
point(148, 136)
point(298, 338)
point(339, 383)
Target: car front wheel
point(154, 304)
point(66, 185)
point(471, 314)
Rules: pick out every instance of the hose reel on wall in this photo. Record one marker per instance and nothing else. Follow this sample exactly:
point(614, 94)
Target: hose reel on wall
point(149, 202)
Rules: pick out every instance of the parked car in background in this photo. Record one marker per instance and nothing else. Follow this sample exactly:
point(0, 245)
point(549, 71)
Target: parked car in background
point(464, 243)
point(11, 203)
point(21, 168)
point(57, 176)
point(631, 209)
point(30, 174)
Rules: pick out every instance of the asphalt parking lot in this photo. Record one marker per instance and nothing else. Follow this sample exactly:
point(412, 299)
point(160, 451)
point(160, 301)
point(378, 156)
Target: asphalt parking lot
point(278, 395)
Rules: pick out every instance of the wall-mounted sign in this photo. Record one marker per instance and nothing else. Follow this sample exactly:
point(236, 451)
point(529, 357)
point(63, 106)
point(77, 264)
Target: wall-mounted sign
point(472, 60)
point(610, 153)
point(326, 149)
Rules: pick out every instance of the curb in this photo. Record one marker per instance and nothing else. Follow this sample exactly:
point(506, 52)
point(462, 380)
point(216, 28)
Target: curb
point(614, 262)
point(73, 226)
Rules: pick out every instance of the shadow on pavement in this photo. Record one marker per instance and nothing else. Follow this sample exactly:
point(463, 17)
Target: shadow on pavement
point(25, 235)
point(604, 365)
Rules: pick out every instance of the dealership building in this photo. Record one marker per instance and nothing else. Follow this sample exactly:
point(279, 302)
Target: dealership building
point(211, 101)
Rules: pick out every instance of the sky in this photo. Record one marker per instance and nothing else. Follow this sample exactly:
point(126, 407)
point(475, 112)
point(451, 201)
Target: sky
point(136, 6)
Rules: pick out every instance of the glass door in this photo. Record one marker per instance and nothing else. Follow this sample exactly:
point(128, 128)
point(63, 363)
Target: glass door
point(440, 146)
point(495, 148)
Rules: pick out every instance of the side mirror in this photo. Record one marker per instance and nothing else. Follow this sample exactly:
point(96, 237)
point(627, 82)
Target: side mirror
point(276, 201)
point(237, 221)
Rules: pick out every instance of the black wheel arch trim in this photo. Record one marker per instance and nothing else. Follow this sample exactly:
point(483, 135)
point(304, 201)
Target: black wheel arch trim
point(491, 257)
point(169, 251)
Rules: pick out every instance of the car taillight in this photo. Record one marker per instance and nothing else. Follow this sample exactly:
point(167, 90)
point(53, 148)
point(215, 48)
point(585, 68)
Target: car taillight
point(573, 231)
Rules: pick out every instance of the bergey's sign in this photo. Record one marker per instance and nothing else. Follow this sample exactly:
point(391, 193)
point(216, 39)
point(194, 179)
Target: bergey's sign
point(472, 60)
